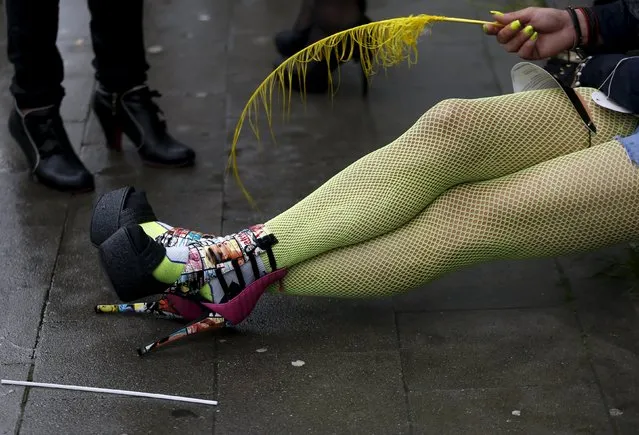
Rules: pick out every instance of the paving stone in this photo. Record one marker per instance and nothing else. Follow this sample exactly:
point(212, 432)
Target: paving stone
point(559, 410)
point(286, 324)
point(45, 414)
point(503, 284)
point(101, 352)
point(602, 285)
point(331, 393)
point(492, 349)
point(462, 352)
point(11, 396)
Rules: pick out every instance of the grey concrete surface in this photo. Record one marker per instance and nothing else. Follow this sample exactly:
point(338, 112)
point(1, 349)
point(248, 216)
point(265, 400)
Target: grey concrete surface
point(539, 346)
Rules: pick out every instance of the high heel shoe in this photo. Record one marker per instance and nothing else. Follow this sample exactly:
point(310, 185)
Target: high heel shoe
point(127, 206)
point(318, 73)
point(128, 258)
point(289, 42)
point(134, 114)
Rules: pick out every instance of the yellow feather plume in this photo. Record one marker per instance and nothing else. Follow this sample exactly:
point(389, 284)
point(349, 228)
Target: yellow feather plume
point(385, 43)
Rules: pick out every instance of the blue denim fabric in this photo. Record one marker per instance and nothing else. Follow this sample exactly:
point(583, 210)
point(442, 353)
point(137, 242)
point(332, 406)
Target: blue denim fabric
point(631, 144)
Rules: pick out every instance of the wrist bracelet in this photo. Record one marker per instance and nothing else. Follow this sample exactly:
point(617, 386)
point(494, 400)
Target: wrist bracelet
point(586, 40)
point(575, 23)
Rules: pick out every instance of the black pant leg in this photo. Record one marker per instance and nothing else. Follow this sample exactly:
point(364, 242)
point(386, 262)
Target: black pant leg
point(118, 42)
point(32, 30)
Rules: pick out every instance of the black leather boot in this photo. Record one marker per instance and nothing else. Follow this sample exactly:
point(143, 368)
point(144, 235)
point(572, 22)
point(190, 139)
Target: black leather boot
point(309, 29)
point(135, 114)
point(45, 143)
point(289, 42)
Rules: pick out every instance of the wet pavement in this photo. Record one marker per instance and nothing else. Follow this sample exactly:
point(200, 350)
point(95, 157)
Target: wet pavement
point(539, 346)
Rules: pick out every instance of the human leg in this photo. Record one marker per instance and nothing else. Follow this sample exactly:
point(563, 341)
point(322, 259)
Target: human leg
point(316, 20)
point(456, 142)
point(574, 203)
point(123, 103)
point(35, 121)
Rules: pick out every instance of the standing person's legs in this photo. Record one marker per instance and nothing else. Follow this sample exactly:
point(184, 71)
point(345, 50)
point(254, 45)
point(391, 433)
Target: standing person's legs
point(35, 121)
point(123, 102)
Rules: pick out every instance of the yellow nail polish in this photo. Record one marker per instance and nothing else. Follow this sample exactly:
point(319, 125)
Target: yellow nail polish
point(485, 27)
point(515, 25)
point(500, 14)
point(528, 30)
point(534, 36)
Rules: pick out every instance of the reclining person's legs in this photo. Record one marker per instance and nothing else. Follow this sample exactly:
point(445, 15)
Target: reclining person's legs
point(457, 141)
point(575, 203)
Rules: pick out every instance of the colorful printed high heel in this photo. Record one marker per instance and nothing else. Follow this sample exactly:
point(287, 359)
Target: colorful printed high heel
point(127, 206)
point(130, 256)
point(203, 316)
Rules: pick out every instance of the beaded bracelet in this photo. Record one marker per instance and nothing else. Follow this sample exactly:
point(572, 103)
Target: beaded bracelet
point(576, 79)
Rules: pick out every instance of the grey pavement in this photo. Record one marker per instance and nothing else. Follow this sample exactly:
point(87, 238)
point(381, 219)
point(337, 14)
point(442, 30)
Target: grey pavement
point(539, 346)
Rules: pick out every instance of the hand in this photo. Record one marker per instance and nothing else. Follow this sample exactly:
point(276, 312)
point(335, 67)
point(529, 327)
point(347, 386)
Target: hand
point(534, 33)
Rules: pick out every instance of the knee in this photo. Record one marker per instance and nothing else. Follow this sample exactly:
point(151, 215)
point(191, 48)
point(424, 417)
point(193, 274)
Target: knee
point(446, 117)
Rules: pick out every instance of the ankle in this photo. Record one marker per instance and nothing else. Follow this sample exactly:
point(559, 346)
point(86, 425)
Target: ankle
point(120, 90)
point(24, 111)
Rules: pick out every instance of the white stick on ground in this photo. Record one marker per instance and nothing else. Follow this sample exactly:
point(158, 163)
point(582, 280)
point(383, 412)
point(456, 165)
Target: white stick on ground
point(109, 391)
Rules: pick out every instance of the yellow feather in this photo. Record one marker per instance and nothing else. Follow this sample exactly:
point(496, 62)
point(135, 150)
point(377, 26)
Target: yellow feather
point(390, 41)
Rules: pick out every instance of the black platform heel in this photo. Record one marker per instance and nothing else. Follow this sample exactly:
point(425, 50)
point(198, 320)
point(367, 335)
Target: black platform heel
point(116, 209)
point(128, 259)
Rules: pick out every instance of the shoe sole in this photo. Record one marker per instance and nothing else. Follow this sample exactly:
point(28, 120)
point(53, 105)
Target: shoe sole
point(105, 217)
point(108, 215)
point(128, 270)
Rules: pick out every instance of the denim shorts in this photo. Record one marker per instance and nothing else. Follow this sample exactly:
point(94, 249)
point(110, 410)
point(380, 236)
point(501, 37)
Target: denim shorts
point(631, 144)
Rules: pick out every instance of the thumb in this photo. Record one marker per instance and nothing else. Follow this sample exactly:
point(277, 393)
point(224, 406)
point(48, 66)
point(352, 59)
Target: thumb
point(523, 15)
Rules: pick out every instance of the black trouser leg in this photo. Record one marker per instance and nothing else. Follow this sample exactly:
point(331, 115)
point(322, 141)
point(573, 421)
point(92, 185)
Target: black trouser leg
point(118, 42)
point(32, 29)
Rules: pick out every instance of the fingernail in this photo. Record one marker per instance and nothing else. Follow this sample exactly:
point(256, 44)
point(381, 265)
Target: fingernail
point(515, 25)
point(528, 30)
point(485, 27)
point(500, 14)
point(534, 36)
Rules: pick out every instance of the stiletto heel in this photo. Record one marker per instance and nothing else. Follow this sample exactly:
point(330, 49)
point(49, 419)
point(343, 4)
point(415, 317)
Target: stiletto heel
point(170, 307)
point(160, 308)
point(210, 322)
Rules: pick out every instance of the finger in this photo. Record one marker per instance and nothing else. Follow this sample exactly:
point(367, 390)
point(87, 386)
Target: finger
point(515, 44)
point(509, 31)
point(528, 50)
point(491, 29)
point(523, 15)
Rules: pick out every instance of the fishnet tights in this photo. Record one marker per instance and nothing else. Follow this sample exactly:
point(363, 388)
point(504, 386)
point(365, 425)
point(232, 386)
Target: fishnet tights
point(511, 177)
point(455, 142)
point(579, 202)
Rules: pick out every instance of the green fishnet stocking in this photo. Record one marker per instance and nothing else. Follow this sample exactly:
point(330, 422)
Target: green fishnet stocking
point(457, 141)
point(579, 202)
